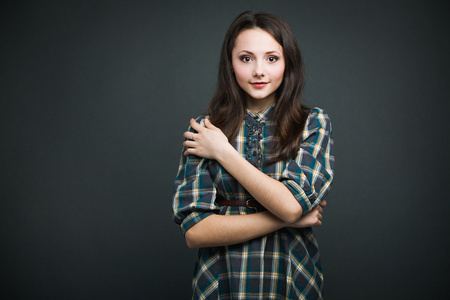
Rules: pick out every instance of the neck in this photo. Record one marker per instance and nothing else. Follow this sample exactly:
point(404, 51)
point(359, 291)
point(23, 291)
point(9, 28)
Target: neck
point(257, 105)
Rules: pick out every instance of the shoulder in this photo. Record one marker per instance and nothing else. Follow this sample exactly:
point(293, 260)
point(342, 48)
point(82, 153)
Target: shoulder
point(318, 118)
point(201, 120)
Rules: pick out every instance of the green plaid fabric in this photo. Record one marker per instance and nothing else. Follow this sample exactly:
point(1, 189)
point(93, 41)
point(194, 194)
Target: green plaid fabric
point(284, 264)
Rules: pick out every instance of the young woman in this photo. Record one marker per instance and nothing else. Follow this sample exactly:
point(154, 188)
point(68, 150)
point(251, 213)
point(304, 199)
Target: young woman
point(255, 171)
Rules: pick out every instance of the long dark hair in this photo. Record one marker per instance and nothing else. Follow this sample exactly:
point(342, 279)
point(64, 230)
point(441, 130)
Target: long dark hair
point(227, 107)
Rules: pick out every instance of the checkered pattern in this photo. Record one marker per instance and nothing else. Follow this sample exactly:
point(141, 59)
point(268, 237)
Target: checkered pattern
point(284, 264)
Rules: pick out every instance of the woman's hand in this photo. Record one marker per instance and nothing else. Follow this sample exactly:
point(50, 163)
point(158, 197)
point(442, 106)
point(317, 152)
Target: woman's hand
point(209, 142)
point(313, 218)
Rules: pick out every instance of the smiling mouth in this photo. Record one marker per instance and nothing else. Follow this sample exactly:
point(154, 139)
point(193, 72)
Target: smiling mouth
point(259, 84)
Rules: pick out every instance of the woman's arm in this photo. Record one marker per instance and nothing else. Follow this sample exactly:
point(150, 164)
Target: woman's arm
point(211, 143)
point(220, 230)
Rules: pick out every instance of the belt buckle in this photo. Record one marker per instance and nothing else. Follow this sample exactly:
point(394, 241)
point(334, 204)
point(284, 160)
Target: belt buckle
point(251, 204)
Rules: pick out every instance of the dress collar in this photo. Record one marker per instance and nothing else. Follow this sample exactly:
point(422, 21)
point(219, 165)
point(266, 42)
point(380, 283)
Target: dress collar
point(262, 115)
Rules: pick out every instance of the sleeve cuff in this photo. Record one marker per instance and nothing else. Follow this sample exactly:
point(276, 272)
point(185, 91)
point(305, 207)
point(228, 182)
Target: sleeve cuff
point(301, 197)
point(193, 219)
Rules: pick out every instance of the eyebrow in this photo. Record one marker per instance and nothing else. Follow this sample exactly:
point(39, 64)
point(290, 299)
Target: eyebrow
point(268, 52)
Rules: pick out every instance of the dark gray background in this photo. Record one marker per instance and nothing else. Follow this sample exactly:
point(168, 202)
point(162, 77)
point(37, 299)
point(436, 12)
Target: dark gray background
point(95, 97)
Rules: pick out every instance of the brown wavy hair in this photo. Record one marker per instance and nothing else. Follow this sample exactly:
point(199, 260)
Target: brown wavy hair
point(228, 105)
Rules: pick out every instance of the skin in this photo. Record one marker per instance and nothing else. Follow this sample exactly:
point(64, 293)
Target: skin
point(258, 63)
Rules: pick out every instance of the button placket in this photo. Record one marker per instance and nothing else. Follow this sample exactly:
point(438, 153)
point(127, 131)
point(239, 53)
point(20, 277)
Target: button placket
point(253, 145)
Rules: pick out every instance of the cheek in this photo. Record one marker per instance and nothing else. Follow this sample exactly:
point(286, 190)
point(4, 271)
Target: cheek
point(241, 74)
point(278, 74)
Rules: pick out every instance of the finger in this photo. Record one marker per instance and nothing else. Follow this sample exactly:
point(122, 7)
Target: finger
point(188, 135)
point(320, 209)
point(189, 144)
point(323, 203)
point(196, 126)
point(209, 125)
point(189, 151)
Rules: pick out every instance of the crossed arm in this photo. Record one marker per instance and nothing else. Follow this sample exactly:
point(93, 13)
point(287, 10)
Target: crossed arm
point(219, 230)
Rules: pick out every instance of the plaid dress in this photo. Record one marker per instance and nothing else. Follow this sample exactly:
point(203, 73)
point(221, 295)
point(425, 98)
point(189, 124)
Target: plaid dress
point(284, 264)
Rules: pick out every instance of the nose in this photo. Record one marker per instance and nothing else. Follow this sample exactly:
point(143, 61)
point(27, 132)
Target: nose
point(258, 71)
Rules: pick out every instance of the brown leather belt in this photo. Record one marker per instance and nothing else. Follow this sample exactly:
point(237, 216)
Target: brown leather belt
point(250, 203)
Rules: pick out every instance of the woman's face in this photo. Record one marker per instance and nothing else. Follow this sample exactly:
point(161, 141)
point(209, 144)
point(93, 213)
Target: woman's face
point(258, 64)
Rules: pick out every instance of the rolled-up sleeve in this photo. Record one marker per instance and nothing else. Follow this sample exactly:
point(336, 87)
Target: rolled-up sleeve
point(194, 192)
point(310, 174)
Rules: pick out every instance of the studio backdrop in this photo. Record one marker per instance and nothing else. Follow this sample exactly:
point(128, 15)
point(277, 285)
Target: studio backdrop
point(95, 96)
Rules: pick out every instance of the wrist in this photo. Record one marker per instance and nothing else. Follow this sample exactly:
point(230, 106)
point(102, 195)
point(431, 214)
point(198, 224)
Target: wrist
point(225, 154)
point(278, 223)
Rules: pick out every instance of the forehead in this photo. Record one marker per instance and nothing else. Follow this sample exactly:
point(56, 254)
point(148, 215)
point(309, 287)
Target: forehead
point(256, 39)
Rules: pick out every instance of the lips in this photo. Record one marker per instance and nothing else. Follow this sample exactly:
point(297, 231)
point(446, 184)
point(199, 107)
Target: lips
point(259, 85)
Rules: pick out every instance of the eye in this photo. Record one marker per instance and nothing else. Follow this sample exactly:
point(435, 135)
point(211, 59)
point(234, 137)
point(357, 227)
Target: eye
point(272, 59)
point(245, 59)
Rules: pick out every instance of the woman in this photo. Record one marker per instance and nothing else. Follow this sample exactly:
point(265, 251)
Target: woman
point(255, 171)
